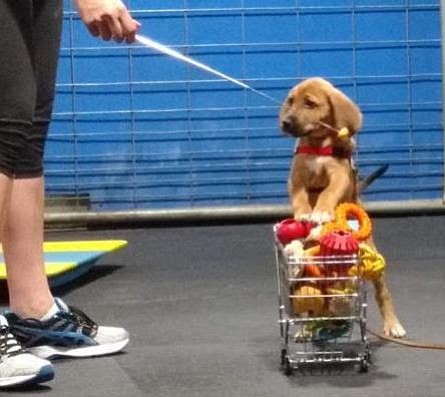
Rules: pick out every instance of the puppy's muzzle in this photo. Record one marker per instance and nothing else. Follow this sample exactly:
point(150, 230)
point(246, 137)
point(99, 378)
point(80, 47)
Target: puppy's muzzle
point(291, 126)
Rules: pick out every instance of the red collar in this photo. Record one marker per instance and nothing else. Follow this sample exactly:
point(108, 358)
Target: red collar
point(323, 151)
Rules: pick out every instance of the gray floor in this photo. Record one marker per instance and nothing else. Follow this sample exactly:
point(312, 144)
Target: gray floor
point(201, 306)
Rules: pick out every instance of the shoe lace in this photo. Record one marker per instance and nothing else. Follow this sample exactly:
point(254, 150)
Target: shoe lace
point(9, 346)
point(82, 319)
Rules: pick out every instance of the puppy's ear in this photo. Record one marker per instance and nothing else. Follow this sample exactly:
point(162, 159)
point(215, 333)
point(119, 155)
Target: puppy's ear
point(346, 112)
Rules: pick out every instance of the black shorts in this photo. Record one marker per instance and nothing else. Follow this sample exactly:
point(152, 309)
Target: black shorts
point(29, 49)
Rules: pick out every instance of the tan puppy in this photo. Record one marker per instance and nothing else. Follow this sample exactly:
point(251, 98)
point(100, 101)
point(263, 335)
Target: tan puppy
point(322, 173)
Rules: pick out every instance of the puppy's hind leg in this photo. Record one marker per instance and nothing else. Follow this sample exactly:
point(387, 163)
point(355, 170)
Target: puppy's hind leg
point(391, 324)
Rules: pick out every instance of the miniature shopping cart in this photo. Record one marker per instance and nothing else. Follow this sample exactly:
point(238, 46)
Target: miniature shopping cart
point(322, 314)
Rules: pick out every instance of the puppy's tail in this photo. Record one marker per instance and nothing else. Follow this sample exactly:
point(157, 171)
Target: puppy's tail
point(367, 180)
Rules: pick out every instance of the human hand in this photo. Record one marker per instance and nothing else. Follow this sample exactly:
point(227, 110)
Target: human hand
point(109, 19)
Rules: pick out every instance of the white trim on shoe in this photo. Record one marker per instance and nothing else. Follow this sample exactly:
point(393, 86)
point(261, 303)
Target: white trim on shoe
point(16, 380)
point(49, 352)
point(45, 374)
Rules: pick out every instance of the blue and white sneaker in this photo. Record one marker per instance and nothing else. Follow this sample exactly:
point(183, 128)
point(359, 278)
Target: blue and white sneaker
point(69, 333)
point(17, 365)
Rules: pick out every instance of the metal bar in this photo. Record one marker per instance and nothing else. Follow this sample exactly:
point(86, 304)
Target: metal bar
point(251, 213)
point(442, 15)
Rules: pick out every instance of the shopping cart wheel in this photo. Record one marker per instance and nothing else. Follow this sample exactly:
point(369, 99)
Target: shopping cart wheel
point(287, 367)
point(283, 357)
point(363, 366)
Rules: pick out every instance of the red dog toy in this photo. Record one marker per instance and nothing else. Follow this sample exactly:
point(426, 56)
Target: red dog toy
point(338, 243)
point(290, 229)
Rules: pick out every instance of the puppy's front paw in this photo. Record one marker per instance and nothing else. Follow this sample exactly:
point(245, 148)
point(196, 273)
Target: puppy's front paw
point(394, 329)
point(306, 217)
point(320, 217)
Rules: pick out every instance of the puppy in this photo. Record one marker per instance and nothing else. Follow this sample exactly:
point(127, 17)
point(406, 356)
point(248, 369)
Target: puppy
point(322, 173)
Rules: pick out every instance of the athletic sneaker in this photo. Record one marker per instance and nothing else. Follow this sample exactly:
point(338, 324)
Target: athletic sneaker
point(68, 333)
point(17, 366)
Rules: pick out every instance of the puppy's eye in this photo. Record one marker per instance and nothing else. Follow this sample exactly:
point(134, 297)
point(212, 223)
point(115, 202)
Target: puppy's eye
point(290, 101)
point(309, 103)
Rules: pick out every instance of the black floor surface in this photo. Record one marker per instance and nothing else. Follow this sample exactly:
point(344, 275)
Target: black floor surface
point(201, 306)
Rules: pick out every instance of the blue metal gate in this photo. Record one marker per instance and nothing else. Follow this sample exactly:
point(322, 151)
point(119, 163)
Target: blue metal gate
point(134, 129)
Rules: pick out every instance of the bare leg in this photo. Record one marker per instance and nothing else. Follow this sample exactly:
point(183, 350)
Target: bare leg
point(5, 191)
point(29, 293)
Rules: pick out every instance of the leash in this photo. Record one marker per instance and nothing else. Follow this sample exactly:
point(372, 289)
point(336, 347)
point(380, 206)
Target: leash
point(408, 343)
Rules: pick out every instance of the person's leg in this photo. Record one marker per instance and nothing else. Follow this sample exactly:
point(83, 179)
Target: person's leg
point(48, 329)
point(5, 192)
point(17, 97)
point(29, 292)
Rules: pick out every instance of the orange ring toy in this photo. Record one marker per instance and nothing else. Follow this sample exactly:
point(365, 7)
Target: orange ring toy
point(332, 227)
point(347, 211)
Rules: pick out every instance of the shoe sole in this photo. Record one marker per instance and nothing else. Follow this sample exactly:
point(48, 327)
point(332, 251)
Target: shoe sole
point(49, 352)
point(45, 374)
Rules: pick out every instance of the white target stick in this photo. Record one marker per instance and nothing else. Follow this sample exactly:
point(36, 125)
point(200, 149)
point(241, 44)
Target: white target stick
point(154, 45)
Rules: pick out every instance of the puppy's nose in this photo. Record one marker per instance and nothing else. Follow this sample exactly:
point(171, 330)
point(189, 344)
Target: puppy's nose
point(286, 125)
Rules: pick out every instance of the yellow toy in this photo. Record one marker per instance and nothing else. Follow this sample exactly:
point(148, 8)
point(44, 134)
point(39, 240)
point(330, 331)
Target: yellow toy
point(343, 133)
point(372, 266)
point(308, 299)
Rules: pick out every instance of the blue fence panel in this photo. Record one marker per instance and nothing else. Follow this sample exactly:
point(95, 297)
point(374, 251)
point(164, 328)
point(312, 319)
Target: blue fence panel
point(134, 129)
